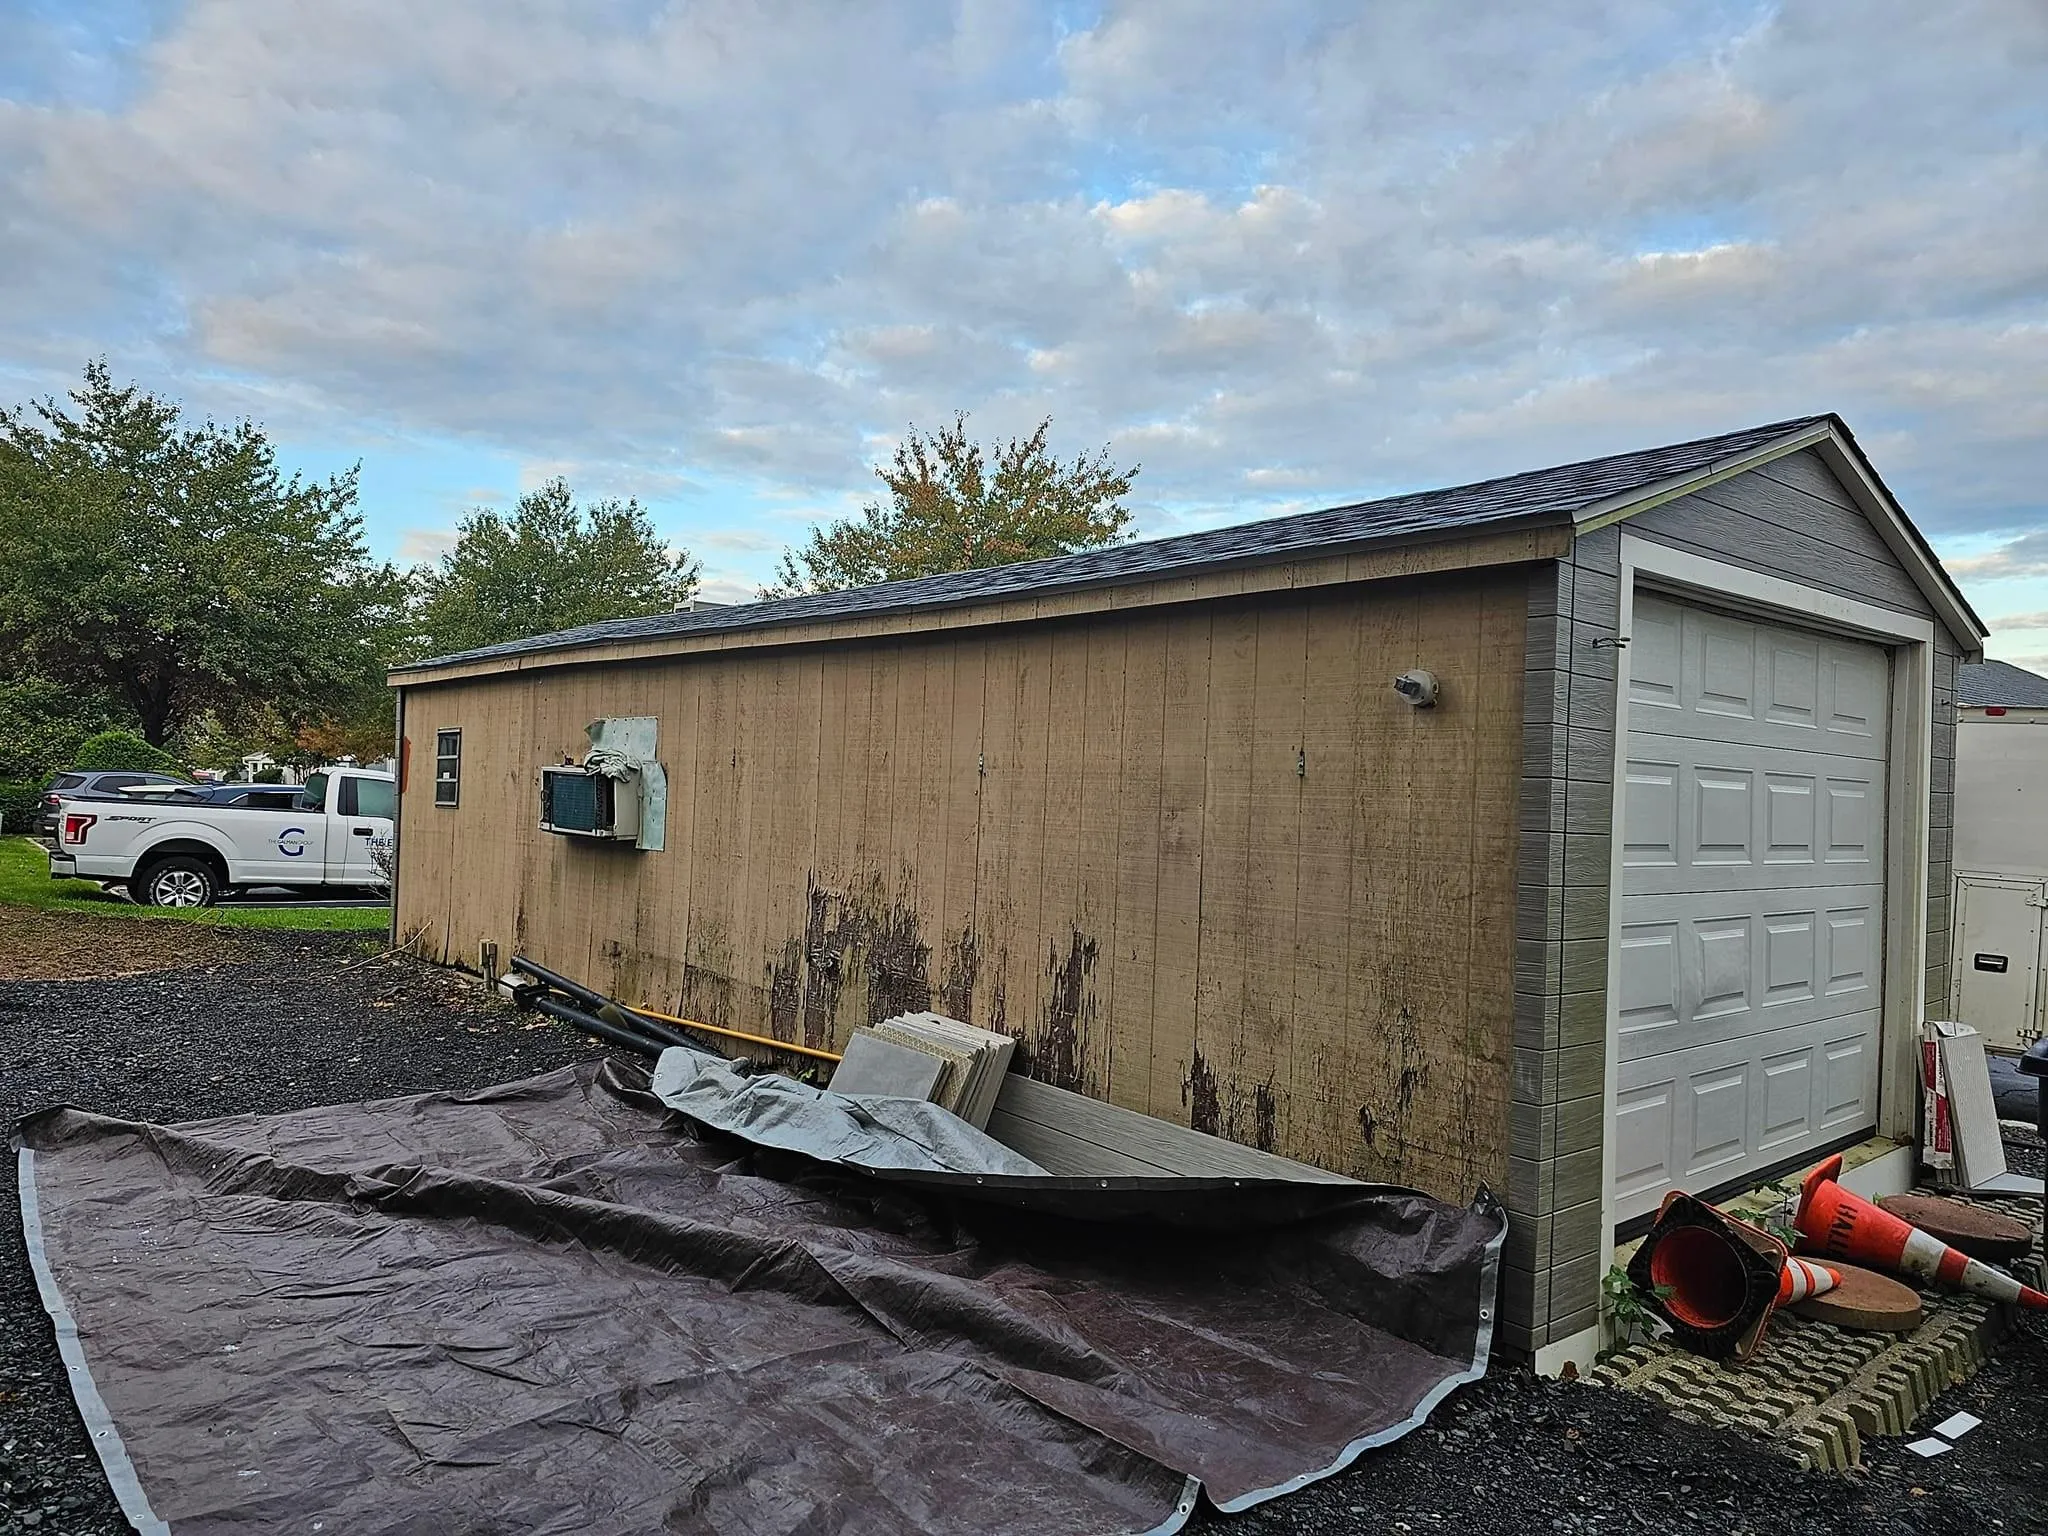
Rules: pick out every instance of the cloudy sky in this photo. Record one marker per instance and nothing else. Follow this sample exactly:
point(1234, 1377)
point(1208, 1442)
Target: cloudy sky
point(719, 255)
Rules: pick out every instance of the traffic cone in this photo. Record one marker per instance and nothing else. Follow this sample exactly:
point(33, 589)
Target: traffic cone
point(1803, 1278)
point(1838, 1224)
point(1714, 1279)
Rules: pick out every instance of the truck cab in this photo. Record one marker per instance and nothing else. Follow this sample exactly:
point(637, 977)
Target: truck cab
point(336, 832)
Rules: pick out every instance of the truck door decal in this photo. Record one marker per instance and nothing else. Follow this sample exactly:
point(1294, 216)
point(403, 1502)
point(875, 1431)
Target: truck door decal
point(291, 842)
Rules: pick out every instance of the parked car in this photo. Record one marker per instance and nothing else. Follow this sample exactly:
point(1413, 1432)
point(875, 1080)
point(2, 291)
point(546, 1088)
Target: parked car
point(97, 781)
point(190, 852)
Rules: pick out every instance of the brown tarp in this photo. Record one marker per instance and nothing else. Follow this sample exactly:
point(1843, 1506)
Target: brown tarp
point(558, 1306)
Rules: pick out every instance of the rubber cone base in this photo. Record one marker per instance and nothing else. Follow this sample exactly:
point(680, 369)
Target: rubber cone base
point(1865, 1300)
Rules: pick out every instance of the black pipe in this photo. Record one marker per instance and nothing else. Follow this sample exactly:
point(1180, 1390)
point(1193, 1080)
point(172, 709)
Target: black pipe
point(653, 1028)
point(597, 1003)
point(598, 1027)
point(589, 999)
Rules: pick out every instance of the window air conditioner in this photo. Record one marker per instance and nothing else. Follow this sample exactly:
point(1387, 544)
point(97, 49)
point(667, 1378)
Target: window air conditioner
point(580, 802)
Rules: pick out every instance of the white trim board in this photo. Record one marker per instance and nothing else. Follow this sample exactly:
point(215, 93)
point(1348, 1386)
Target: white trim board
point(1657, 567)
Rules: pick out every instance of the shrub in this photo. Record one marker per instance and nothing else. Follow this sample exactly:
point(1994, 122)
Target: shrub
point(124, 749)
point(269, 776)
point(42, 726)
point(20, 804)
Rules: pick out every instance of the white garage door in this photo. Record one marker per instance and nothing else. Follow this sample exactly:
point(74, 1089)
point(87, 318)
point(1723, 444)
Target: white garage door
point(1752, 898)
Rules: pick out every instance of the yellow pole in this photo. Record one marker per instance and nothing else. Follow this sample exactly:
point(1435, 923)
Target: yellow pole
point(735, 1034)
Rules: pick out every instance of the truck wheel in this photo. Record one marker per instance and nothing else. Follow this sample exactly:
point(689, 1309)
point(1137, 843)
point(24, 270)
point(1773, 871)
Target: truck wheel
point(177, 882)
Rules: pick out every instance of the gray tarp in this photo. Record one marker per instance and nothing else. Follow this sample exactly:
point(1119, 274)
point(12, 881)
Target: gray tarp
point(556, 1306)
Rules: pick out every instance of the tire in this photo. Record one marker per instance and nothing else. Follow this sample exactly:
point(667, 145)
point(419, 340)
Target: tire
point(178, 881)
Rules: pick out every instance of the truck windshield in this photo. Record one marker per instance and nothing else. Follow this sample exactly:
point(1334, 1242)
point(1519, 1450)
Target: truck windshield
point(313, 795)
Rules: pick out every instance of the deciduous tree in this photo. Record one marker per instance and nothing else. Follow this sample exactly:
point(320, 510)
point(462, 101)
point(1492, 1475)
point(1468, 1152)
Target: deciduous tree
point(546, 565)
point(955, 506)
point(176, 568)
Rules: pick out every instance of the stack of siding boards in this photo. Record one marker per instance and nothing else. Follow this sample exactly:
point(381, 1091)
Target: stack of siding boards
point(928, 1056)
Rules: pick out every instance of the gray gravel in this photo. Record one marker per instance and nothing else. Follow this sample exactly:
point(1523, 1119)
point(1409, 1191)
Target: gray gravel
point(288, 1027)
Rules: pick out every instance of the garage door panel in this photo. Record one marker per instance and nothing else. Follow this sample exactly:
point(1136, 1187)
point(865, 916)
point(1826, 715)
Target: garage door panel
point(1786, 1101)
point(1693, 973)
point(1701, 815)
point(1849, 1077)
point(1713, 1121)
point(1645, 1124)
point(1759, 684)
point(1708, 1114)
point(1748, 953)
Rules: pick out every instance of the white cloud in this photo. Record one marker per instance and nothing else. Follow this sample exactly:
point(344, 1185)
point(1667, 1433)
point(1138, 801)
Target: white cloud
point(1284, 254)
point(419, 546)
point(2026, 555)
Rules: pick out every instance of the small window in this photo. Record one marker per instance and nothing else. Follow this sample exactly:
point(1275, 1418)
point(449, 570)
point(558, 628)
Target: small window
point(447, 767)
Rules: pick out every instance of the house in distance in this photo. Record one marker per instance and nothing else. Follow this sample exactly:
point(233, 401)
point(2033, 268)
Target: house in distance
point(1638, 880)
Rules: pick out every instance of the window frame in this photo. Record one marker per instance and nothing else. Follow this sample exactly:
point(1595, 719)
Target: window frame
point(446, 778)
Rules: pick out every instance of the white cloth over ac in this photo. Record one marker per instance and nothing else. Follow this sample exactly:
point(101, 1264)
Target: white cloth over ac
point(624, 745)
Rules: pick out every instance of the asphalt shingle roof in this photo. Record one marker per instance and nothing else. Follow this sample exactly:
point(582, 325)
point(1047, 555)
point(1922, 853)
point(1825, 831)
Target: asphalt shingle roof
point(1535, 496)
point(2000, 682)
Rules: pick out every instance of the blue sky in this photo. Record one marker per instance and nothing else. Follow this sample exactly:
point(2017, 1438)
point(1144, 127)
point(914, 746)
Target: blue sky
point(718, 255)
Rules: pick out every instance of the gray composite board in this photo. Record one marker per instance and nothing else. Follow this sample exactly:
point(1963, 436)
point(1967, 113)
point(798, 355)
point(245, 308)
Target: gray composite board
point(1082, 1136)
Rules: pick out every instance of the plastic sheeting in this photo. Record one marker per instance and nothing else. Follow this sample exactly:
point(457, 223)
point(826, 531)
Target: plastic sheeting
point(869, 1133)
point(558, 1306)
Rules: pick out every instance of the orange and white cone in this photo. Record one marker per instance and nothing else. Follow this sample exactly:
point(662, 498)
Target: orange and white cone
point(1840, 1225)
point(1803, 1278)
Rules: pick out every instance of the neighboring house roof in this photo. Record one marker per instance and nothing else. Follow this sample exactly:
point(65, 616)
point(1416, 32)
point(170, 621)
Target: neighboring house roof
point(2001, 683)
point(1587, 493)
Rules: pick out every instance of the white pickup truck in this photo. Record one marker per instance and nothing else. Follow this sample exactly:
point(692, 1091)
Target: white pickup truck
point(337, 832)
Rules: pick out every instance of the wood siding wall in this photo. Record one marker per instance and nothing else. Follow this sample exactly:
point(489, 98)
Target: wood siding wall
point(1202, 861)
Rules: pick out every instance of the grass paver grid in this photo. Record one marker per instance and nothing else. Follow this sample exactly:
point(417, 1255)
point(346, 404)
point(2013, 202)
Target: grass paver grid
point(1816, 1392)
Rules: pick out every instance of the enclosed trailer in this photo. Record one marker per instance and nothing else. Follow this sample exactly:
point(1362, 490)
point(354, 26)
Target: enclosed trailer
point(2001, 854)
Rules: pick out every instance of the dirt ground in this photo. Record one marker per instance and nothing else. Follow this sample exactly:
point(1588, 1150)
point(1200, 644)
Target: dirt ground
point(178, 1024)
point(59, 946)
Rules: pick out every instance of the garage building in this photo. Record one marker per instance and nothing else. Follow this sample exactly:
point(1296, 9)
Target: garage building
point(1653, 895)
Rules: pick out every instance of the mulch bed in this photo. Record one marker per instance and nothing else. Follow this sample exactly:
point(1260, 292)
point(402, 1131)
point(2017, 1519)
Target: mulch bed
point(263, 1023)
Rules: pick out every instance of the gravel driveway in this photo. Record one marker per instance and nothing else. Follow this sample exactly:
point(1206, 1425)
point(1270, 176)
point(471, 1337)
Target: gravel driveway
point(266, 1022)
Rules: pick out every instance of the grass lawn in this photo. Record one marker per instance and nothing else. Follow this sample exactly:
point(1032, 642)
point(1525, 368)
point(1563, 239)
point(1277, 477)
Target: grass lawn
point(25, 882)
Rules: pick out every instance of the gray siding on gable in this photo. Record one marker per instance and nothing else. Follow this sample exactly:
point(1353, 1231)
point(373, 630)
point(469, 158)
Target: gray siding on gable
point(1790, 518)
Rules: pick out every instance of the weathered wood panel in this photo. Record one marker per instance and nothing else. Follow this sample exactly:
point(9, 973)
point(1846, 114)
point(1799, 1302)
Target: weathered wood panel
point(1201, 861)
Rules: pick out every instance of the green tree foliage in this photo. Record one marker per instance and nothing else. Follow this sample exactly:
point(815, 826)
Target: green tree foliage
point(955, 506)
point(174, 567)
point(43, 724)
point(547, 565)
point(123, 749)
